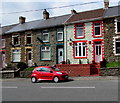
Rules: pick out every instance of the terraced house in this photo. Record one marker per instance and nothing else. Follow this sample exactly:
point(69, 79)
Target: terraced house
point(38, 42)
point(112, 34)
point(85, 37)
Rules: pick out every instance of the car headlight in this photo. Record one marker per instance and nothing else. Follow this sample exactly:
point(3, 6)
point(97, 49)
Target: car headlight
point(58, 72)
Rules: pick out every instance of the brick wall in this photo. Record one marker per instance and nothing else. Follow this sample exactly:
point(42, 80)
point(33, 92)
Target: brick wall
point(75, 70)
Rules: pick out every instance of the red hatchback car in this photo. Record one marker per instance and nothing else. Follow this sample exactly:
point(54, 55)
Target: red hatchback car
point(48, 73)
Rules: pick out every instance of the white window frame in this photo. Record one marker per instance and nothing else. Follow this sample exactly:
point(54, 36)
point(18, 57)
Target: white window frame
point(77, 46)
point(45, 32)
point(58, 36)
point(114, 45)
point(116, 29)
point(14, 52)
point(45, 49)
point(2, 43)
point(80, 28)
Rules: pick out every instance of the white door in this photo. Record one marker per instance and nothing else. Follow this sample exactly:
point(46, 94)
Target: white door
point(60, 55)
point(29, 57)
point(98, 53)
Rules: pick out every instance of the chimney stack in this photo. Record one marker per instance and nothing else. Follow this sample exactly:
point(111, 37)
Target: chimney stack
point(73, 12)
point(22, 19)
point(45, 14)
point(106, 4)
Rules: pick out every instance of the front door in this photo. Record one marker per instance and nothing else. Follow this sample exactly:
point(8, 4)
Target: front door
point(98, 53)
point(29, 57)
point(60, 55)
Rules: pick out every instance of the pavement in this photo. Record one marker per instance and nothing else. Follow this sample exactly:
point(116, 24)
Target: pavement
point(71, 78)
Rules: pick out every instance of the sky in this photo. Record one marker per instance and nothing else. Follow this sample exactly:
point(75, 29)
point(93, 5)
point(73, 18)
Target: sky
point(8, 7)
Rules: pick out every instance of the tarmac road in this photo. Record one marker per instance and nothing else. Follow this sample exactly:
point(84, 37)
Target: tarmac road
point(77, 90)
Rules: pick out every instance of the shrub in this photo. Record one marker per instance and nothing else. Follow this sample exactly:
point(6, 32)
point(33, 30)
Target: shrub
point(22, 65)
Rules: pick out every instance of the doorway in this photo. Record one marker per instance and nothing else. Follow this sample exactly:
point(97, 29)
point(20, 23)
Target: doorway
point(98, 52)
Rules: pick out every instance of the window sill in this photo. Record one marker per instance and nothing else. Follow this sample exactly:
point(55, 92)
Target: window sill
point(80, 37)
point(45, 60)
point(80, 57)
point(28, 45)
point(117, 32)
point(97, 36)
point(15, 62)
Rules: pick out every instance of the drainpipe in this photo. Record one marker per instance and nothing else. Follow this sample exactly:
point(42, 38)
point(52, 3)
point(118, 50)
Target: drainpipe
point(66, 40)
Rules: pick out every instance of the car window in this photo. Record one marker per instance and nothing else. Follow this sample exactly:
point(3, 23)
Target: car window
point(45, 69)
point(38, 69)
point(55, 69)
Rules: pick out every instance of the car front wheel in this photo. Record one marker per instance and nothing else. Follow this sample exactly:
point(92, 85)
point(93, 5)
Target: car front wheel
point(56, 79)
point(33, 80)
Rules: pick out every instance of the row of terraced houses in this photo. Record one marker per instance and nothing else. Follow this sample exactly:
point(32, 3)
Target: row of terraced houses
point(76, 38)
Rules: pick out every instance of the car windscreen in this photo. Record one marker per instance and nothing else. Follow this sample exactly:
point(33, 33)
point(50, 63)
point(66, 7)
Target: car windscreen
point(55, 69)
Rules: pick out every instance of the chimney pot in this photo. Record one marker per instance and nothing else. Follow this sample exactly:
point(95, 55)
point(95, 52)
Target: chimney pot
point(73, 12)
point(106, 4)
point(45, 14)
point(22, 19)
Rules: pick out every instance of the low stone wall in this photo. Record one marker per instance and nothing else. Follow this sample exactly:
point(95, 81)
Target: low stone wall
point(7, 74)
point(109, 71)
point(25, 74)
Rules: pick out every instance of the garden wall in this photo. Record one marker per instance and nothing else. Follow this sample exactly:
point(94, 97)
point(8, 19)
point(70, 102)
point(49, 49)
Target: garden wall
point(110, 72)
point(75, 70)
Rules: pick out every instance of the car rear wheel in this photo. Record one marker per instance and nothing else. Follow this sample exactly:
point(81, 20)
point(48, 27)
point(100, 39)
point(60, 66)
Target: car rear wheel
point(56, 79)
point(33, 80)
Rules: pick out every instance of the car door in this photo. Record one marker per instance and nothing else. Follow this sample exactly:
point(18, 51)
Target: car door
point(39, 73)
point(46, 74)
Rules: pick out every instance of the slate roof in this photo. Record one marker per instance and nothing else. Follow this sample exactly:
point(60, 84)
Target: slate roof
point(112, 12)
point(40, 24)
point(6, 28)
point(87, 15)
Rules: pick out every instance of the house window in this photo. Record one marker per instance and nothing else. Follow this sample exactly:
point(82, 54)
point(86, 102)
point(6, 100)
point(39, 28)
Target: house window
point(3, 43)
point(79, 31)
point(60, 36)
point(117, 46)
point(45, 53)
point(80, 49)
point(15, 39)
point(97, 29)
point(16, 55)
point(45, 36)
point(118, 25)
point(28, 39)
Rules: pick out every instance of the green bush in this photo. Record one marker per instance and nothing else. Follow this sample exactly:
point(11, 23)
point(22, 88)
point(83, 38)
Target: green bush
point(113, 64)
point(29, 69)
point(22, 65)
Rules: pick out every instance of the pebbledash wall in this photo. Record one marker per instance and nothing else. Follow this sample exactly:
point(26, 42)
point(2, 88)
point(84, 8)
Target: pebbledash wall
point(69, 48)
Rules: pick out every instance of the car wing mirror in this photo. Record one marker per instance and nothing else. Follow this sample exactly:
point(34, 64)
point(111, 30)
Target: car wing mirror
point(51, 71)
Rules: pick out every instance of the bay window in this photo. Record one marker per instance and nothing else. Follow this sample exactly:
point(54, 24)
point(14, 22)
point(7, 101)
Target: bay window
point(80, 49)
